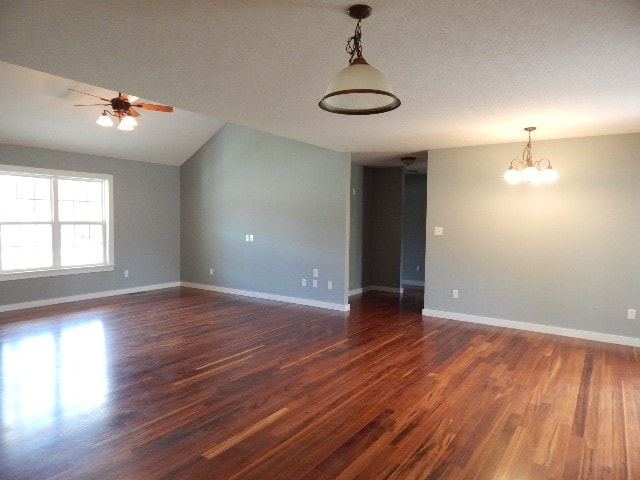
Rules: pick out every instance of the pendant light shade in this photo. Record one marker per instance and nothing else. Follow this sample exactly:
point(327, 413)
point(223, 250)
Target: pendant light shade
point(359, 89)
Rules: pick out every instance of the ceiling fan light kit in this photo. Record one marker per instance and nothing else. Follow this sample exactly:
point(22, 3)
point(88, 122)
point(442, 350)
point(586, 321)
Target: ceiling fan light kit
point(104, 120)
point(122, 109)
point(359, 88)
point(127, 123)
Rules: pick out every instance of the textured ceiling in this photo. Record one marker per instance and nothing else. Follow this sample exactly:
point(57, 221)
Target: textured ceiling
point(468, 72)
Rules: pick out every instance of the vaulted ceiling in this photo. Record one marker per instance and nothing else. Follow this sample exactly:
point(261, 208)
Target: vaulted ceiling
point(468, 72)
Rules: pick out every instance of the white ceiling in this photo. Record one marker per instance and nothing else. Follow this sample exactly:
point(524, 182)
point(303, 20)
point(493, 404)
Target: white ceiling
point(37, 111)
point(468, 72)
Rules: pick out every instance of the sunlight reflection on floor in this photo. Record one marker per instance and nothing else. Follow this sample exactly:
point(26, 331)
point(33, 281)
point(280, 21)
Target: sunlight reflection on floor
point(53, 375)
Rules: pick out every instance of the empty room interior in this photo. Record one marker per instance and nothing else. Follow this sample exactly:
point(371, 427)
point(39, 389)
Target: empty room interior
point(299, 239)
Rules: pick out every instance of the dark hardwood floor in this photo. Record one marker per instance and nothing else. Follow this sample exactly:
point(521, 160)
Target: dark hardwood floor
point(184, 383)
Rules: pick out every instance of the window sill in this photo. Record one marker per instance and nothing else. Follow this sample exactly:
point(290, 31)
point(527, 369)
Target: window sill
point(55, 272)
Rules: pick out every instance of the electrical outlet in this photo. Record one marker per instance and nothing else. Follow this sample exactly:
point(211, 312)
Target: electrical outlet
point(330, 285)
point(246, 238)
point(438, 230)
point(315, 283)
point(315, 273)
point(455, 294)
point(126, 273)
point(304, 282)
point(211, 271)
point(631, 314)
point(418, 268)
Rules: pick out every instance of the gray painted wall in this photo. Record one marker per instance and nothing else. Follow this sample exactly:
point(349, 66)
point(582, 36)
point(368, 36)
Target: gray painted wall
point(382, 225)
point(356, 226)
point(414, 214)
point(146, 225)
point(293, 197)
point(563, 255)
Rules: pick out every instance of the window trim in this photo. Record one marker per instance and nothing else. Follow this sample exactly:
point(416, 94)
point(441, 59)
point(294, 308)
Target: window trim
point(109, 264)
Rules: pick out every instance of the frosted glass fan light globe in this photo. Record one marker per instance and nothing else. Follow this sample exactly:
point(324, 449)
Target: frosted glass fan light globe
point(125, 127)
point(104, 120)
point(128, 121)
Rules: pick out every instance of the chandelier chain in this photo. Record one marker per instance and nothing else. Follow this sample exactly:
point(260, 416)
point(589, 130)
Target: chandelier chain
point(526, 153)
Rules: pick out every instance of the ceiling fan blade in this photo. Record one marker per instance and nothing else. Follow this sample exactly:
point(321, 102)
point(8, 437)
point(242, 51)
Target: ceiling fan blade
point(153, 106)
point(94, 105)
point(133, 113)
point(90, 94)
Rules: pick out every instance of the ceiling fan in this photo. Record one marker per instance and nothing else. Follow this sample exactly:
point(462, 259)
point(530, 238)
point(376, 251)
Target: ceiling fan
point(122, 109)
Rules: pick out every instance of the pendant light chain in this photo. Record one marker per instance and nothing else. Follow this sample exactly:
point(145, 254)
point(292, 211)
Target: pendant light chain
point(354, 46)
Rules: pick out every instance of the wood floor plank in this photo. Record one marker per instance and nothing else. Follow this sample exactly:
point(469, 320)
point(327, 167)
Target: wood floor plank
point(188, 384)
point(230, 442)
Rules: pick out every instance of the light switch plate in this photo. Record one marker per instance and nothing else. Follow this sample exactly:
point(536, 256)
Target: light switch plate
point(438, 230)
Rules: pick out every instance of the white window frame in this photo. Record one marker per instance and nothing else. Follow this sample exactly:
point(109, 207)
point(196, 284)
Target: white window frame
point(55, 175)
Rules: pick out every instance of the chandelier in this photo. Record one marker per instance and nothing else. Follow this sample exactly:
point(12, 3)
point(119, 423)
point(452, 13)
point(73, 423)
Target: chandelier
point(528, 171)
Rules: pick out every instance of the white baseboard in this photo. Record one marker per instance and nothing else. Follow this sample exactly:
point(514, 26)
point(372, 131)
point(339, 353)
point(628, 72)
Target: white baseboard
point(413, 282)
point(376, 288)
point(268, 296)
point(535, 327)
point(85, 296)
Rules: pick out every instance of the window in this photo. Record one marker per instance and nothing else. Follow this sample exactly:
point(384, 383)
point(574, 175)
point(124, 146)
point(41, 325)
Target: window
point(54, 222)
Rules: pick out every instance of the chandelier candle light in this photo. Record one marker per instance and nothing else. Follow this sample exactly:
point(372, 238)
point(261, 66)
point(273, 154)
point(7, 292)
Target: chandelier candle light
point(359, 89)
point(528, 171)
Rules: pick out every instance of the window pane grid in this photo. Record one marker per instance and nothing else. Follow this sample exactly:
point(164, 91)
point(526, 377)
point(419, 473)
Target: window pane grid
point(80, 200)
point(81, 244)
point(26, 246)
point(25, 199)
point(48, 222)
